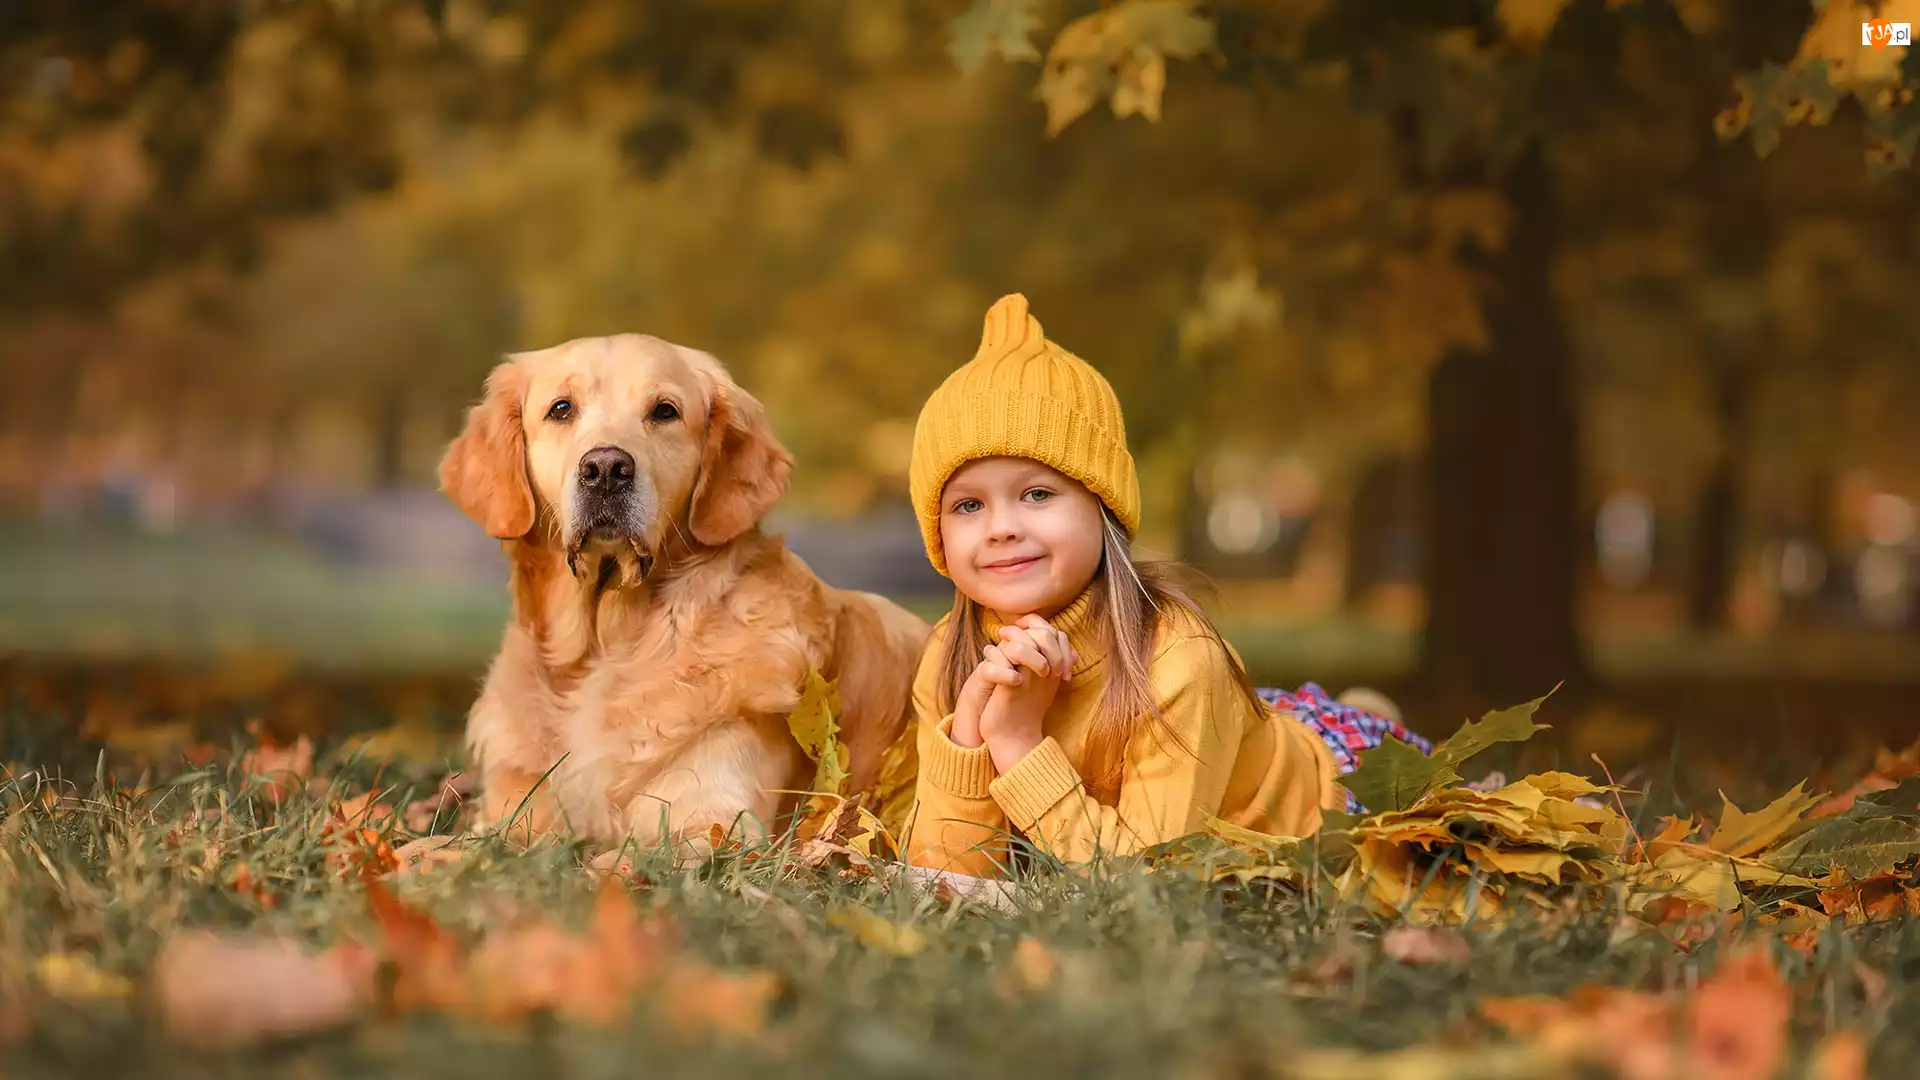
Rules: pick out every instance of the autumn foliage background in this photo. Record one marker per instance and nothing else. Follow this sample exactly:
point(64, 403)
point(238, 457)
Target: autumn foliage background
point(1475, 347)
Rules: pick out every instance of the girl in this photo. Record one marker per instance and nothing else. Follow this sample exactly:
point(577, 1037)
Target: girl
point(1074, 696)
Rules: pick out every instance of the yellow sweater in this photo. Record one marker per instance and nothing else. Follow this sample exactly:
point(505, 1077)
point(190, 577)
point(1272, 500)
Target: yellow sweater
point(1254, 767)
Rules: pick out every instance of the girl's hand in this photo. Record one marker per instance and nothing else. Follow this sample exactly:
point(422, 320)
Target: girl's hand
point(992, 673)
point(1012, 723)
point(1034, 644)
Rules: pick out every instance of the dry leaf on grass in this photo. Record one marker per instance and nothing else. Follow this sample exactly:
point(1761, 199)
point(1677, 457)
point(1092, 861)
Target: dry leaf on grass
point(540, 967)
point(216, 990)
point(1032, 968)
point(73, 977)
point(1872, 899)
point(282, 769)
point(365, 810)
point(427, 968)
point(1425, 945)
point(1733, 1027)
point(245, 884)
point(357, 852)
point(879, 932)
point(1737, 1020)
point(1840, 1056)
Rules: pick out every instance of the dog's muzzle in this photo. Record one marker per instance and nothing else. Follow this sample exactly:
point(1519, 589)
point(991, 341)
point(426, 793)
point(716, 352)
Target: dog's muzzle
point(613, 509)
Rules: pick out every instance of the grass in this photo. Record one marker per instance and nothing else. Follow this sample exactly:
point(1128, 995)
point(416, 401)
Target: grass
point(1155, 975)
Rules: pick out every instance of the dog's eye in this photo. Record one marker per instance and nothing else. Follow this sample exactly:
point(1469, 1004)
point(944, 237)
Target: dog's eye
point(665, 412)
point(560, 411)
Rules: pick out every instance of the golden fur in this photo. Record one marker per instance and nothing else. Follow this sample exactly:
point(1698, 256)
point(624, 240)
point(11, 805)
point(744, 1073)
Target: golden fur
point(659, 640)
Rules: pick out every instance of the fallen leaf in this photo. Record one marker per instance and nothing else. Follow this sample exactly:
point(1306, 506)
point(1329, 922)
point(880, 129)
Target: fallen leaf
point(1840, 1056)
point(1598, 1025)
point(1425, 945)
point(1880, 897)
point(880, 933)
point(1032, 968)
point(364, 810)
point(698, 1000)
point(245, 885)
point(282, 769)
point(815, 725)
point(1395, 775)
point(73, 977)
point(1855, 848)
point(1737, 1020)
point(1740, 833)
point(426, 959)
point(357, 852)
point(215, 990)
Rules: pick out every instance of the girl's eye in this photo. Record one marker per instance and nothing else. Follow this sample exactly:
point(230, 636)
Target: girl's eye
point(1039, 495)
point(666, 412)
point(966, 506)
point(560, 411)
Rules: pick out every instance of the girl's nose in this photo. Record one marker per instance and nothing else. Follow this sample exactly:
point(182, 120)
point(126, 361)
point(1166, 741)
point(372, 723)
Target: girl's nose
point(1004, 524)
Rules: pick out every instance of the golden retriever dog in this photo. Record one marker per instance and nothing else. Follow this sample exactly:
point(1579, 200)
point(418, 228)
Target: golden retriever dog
point(658, 639)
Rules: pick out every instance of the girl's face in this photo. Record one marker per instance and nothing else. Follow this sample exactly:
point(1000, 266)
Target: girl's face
point(1019, 537)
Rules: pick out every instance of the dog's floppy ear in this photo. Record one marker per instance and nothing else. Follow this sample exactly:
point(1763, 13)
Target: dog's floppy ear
point(743, 468)
point(484, 471)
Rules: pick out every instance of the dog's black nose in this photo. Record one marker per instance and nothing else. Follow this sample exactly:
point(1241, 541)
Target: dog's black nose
point(606, 470)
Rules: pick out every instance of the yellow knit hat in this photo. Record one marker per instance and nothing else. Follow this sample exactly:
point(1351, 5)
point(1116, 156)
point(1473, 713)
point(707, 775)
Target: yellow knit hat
point(1021, 396)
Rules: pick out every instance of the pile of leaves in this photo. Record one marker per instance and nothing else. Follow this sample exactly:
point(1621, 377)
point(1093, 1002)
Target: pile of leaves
point(1435, 849)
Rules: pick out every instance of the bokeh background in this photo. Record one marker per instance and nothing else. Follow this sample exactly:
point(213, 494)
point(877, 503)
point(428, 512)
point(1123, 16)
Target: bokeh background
point(1471, 347)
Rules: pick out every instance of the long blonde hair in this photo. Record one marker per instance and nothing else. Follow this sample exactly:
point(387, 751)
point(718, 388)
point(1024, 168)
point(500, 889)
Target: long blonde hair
point(1131, 600)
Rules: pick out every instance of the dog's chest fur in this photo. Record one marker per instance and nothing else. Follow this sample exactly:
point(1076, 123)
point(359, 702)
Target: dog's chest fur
point(687, 681)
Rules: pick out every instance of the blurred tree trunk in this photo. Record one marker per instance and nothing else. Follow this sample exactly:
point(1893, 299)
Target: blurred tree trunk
point(1502, 511)
point(1371, 513)
point(1739, 238)
point(1718, 516)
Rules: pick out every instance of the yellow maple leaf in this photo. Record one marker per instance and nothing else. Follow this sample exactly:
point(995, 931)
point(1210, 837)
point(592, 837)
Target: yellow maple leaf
point(815, 724)
point(1740, 833)
point(1119, 52)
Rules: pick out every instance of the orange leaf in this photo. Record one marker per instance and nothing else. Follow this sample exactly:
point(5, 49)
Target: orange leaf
point(1871, 899)
point(1425, 945)
point(1840, 1056)
point(425, 957)
point(1738, 1020)
point(283, 769)
point(1032, 968)
point(697, 999)
point(218, 990)
point(245, 885)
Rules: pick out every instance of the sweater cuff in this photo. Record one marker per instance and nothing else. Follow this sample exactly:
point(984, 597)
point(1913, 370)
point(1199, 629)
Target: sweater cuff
point(1036, 784)
point(955, 769)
